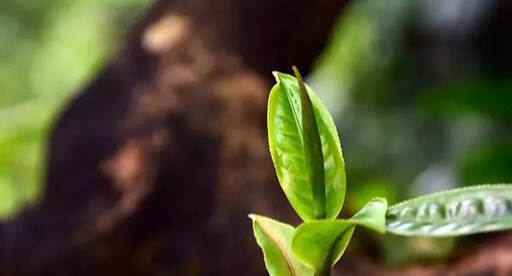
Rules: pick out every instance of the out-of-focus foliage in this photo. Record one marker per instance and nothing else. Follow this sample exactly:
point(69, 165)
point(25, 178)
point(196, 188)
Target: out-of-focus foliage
point(403, 250)
point(488, 163)
point(484, 96)
point(422, 96)
point(48, 49)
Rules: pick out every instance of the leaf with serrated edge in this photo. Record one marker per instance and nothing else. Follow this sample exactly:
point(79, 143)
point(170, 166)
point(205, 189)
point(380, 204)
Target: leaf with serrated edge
point(320, 244)
point(274, 238)
point(456, 212)
point(287, 145)
point(372, 215)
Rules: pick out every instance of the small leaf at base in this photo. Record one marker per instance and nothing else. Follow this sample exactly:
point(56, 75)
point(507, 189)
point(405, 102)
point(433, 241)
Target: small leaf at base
point(274, 238)
point(373, 215)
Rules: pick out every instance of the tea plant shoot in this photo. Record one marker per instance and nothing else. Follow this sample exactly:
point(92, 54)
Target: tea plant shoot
point(306, 151)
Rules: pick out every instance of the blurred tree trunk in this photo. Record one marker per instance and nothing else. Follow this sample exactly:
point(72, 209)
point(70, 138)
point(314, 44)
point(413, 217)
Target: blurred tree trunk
point(155, 165)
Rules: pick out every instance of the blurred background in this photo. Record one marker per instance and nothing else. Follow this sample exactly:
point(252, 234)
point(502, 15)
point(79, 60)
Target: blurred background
point(421, 92)
point(48, 50)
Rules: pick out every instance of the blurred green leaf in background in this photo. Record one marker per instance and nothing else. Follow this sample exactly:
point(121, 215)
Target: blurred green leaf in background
point(48, 50)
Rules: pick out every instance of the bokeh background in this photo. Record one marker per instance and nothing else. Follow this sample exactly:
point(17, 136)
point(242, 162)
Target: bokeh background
point(48, 50)
point(421, 92)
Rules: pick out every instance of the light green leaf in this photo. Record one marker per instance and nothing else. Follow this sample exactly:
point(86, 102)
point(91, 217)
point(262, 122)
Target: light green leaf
point(320, 244)
point(456, 212)
point(314, 184)
point(274, 238)
point(312, 149)
point(373, 215)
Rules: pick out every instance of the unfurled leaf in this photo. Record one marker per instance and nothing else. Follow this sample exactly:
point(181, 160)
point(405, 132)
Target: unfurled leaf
point(298, 124)
point(320, 244)
point(274, 238)
point(456, 212)
point(373, 215)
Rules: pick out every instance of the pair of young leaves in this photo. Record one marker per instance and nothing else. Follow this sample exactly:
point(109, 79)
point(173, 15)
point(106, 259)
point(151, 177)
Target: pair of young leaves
point(309, 164)
point(315, 246)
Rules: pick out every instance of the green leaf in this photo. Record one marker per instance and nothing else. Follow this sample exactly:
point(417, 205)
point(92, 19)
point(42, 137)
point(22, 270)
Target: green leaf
point(312, 149)
point(320, 244)
point(313, 183)
point(372, 215)
point(456, 212)
point(274, 238)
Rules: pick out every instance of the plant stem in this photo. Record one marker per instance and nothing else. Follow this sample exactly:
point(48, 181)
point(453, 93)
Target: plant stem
point(325, 272)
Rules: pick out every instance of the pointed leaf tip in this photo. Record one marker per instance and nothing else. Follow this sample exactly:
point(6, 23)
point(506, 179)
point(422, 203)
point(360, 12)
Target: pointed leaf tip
point(276, 75)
